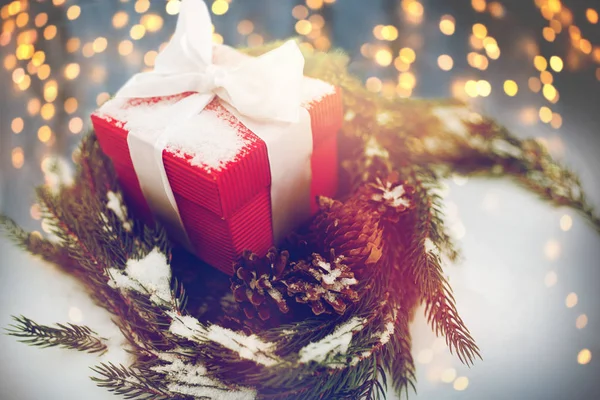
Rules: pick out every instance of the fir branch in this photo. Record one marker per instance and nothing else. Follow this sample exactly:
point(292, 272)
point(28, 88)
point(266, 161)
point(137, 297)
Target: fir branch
point(68, 336)
point(427, 273)
point(131, 383)
point(35, 244)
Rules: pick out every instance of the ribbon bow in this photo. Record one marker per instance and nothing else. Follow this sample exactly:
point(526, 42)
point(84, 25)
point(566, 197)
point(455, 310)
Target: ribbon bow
point(268, 87)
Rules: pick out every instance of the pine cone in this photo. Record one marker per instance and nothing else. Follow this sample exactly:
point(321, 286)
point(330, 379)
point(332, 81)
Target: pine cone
point(389, 197)
point(351, 229)
point(325, 286)
point(263, 285)
point(257, 283)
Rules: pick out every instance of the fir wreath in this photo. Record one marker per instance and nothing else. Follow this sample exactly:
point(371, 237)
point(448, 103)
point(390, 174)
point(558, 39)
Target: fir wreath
point(327, 317)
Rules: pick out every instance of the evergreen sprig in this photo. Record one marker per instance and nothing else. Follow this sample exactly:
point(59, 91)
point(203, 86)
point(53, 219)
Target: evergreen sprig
point(69, 336)
point(131, 383)
point(428, 236)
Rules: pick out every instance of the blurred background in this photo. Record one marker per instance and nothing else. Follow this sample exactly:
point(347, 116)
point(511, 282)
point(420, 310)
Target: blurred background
point(528, 282)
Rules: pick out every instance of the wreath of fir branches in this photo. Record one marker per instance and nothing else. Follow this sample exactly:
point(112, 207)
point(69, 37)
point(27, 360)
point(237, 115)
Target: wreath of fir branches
point(189, 344)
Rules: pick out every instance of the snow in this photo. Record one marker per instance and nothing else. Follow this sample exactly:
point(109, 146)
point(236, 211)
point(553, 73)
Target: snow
point(211, 138)
point(115, 204)
point(191, 379)
point(502, 146)
point(396, 195)
point(275, 294)
point(314, 90)
point(453, 118)
point(330, 277)
point(150, 275)
point(333, 344)
point(184, 326)
point(247, 347)
point(430, 247)
point(387, 333)
point(58, 172)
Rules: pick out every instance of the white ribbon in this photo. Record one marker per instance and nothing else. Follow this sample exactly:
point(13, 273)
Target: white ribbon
point(264, 93)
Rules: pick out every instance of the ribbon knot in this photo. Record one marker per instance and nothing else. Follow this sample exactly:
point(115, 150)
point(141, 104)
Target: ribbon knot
point(211, 79)
point(268, 87)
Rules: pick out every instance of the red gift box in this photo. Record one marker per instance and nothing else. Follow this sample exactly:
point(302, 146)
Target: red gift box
point(225, 210)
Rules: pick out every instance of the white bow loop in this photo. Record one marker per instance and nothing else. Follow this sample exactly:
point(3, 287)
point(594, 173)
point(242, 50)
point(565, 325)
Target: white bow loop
point(268, 87)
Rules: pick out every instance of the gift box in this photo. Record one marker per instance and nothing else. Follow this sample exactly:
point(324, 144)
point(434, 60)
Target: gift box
point(222, 191)
point(227, 151)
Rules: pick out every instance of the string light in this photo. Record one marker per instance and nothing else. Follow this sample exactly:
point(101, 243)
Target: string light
point(121, 18)
point(17, 157)
point(22, 20)
point(511, 88)
point(447, 25)
point(47, 111)
point(102, 98)
point(534, 84)
point(480, 31)
point(373, 84)
point(549, 34)
point(591, 15)
point(71, 105)
point(496, 9)
point(581, 321)
point(50, 91)
point(571, 300)
point(172, 7)
point(245, 27)
point(383, 57)
point(73, 45)
point(10, 61)
point(314, 4)
point(407, 80)
point(484, 88)
point(461, 383)
point(137, 32)
point(407, 55)
point(303, 27)
point(479, 5)
point(99, 44)
point(549, 92)
point(445, 62)
point(50, 32)
point(141, 6)
point(152, 22)
point(73, 12)
point(44, 133)
point(17, 125)
point(300, 12)
point(584, 357)
point(220, 7)
point(41, 19)
point(125, 47)
point(150, 57)
point(556, 121)
point(540, 63)
point(72, 71)
point(75, 125)
point(33, 106)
